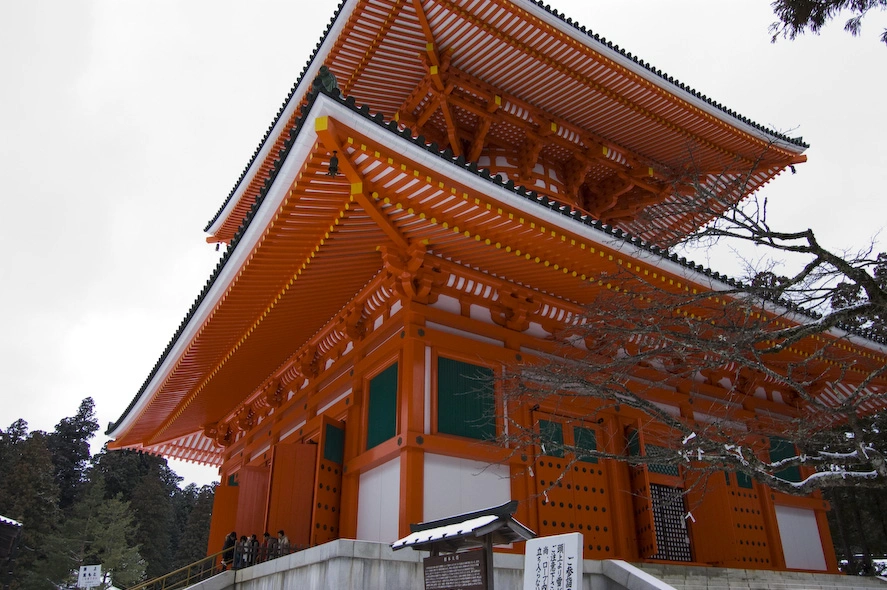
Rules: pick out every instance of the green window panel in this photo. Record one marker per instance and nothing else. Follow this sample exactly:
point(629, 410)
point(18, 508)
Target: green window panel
point(585, 438)
point(782, 449)
point(465, 402)
point(334, 445)
point(633, 443)
point(660, 468)
point(382, 411)
point(551, 438)
point(743, 480)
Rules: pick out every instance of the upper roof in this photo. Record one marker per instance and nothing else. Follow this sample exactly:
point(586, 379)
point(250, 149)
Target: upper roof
point(593, 91)
point(299, 241)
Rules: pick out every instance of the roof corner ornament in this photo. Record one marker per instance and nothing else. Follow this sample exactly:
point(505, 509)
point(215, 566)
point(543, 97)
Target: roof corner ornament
point(326, 81)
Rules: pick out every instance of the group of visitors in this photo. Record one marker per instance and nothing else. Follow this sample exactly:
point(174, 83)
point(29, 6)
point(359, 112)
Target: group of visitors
point(244, 552)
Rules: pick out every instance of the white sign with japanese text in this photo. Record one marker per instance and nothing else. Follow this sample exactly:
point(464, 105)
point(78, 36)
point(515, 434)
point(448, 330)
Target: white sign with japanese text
point(554, 563)
point(90, 575)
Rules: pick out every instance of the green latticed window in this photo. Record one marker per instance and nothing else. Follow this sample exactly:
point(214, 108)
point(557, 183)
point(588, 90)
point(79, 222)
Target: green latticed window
point(584, 439)
point(633, 443)
point(744, 480)
point(782, 449)
point(660, 468)
point(465, 402)
point(334, 445)
point(382, 411)
point(551, 438)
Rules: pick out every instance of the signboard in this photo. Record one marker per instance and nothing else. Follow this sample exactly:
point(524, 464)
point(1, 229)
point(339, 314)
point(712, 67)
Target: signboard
point(554, 563)
point(456, 571)
point(90, 575)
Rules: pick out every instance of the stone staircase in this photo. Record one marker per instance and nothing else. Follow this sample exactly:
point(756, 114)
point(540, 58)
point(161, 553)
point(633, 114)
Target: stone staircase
point(717, 578)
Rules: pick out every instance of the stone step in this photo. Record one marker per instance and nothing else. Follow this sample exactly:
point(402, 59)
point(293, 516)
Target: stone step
point(712, 578)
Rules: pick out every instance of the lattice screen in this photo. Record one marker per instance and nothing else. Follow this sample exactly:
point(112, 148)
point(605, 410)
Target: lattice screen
point(672, 536)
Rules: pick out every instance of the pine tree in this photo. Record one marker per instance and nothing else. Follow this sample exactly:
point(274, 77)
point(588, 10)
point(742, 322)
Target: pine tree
point(29, 494)
point(149, 485)
point(195, 536)
point(102, 531)
point(797, 16)
point(69, 445)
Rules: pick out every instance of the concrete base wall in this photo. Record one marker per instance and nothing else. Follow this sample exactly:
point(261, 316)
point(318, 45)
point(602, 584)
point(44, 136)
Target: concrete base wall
point(363, 565)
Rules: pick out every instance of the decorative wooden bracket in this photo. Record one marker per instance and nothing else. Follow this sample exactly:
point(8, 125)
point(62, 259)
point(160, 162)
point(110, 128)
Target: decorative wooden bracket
point(220, 434)
point(352, 322)
point(307, 362)
point(413, 278)
point(514, 309)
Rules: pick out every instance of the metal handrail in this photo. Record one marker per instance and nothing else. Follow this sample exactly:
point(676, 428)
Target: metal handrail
point(185, 576)
point(206, 568)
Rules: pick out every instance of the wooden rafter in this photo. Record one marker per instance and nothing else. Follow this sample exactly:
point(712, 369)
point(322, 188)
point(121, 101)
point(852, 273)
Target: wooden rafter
point(347, 85)
point(326, 132)
point(544, 60)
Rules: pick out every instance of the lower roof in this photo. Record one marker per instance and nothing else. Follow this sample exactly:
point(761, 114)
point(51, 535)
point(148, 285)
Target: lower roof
point(312, 241)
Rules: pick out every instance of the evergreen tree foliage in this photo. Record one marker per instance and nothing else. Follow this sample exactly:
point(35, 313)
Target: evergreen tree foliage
point(151, 487)
point(69, 445)
point(126, 512)
point(797, 16)
point(195, 535)
point(102, 531)
point(29, 494)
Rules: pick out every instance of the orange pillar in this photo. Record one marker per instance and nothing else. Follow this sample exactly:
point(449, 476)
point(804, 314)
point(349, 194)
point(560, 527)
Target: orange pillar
point(411, 427)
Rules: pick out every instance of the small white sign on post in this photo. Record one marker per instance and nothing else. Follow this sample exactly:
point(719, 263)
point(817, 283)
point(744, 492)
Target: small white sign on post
point(90, 576)
point(554, 563)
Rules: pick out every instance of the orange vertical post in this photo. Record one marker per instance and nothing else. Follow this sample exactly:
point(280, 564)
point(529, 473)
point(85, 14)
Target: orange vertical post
point(223, 518)
point(412, 424)
point(351, 481)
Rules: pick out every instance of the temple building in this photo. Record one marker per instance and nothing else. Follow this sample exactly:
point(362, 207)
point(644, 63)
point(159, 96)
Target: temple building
point(398, 244)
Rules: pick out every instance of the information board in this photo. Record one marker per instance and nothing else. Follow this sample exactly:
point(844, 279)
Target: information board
point(456, 571)
point(554, 563)
point(89, 576)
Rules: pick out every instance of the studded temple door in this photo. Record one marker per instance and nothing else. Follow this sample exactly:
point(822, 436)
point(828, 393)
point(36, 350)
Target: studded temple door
point(328, 478)
point(659, 506)
point(577, 497)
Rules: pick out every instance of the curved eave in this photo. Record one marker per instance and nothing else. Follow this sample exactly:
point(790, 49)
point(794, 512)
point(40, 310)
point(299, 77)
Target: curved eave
point(232, 211)
point(374, 49)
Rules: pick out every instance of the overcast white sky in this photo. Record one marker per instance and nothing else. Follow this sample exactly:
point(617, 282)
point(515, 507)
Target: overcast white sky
point(124, 125)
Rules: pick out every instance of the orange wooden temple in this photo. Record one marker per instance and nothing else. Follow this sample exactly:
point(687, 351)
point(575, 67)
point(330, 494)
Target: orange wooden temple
point(489, 161)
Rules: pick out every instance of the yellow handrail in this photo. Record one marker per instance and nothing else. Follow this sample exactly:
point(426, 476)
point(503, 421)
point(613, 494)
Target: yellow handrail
point(201, 570)
point(184, 576)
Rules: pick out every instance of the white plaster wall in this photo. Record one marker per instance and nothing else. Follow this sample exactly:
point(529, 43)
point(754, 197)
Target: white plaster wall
point(801, 544)
point(455, 486)
point(378, 504)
